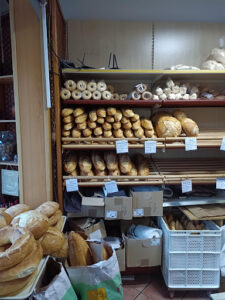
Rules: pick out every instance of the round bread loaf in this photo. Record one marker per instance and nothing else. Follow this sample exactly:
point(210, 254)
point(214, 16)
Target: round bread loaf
point(17, 209)
point(22, 243)
point(51, 241)
point(167, 126)
point(48, 208)
point(34, 221)
point(189, 127)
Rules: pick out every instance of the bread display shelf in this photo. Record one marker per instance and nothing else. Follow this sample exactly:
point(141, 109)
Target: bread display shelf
point(6, 79)
point(206, 139)
point(150, 103)
point(172, 171)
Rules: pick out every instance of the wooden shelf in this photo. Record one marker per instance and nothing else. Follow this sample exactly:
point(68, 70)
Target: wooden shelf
point(150, 103)
point(8, 163)
point(206, 139)
point(7, 121)
point(6, 79)
point(200, 171)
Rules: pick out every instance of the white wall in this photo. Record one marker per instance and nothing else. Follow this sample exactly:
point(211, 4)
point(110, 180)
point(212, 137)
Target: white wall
point(187, 43)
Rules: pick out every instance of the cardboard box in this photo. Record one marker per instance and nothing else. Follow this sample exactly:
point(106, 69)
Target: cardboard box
point(141, 252)
point(118, 208)
point(147, 203)
point(96, 231)
point(121, 257)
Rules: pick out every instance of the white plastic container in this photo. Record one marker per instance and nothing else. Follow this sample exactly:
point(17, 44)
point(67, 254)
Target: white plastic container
point(191, 258)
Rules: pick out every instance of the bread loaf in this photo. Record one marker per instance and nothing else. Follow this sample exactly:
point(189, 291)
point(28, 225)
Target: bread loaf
point(127, 125)
point(100, 173)
point(142, 165)
point(118, 116)
point(101, 112)
point(17, 209)
point(100, 120)
point(179, 114)
point(128, 113)
point(68, 126)
point(87, 132)
point(98, 161)
point(66, 133)
point(54, 219)
point(84, 162)
point(70, 163)
point(48, 208)
point(66, 112)
point(125, 163)
point(189, 127)
point(91, 124)
point(79, 252)
point(111, 111)
point(118, 133)
point(52, 241)
point(93, 116)
point(116, 125)
point(135, 118)
point(110, 119)
point(146, 124)
point(5, 219)
point(68, 119)
point(76, 133)
point(107, 126)
point(115, 172)
point(82, 126)
point(139, 133)
point(107, 133)
point(111, 160)
point(81, 118)
point(98, 131)
point(136, 125)
point(78, 111)
point(133, 171)
point(167, 126)
point(63, 251)
point(128, 133)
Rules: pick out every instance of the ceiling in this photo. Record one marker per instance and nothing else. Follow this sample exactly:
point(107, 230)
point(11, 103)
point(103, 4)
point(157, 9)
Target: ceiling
point(145, 10)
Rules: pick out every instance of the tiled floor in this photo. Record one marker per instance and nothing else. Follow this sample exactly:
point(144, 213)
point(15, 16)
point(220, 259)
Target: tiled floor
point(152, 287)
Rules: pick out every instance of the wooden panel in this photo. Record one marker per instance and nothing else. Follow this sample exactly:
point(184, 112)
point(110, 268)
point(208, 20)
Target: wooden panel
point(30, 100)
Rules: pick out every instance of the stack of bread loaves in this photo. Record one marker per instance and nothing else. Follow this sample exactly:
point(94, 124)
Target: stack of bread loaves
point(105, 122)
point(108, 163)
point(182, 223)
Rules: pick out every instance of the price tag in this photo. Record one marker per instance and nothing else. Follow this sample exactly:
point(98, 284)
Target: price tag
point(112, 214)
point(139, 212)
point(186, 186)
point(190, 143)
point(72, 185)
point(220, 183)
point(111, 187)
point(222, 147)
point(121, 146)
point(150, 147)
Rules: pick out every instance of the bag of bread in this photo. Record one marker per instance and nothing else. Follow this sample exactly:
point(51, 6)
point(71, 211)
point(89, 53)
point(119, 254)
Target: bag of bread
point(102, 279)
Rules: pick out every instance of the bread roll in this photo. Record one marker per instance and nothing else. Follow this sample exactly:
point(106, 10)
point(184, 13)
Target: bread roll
point(179, 114)
point(87, 132)
point(149, 133)
point(82, 126)
point(139, 133)
point(111, 111)
point(128, 133)
point(93, 116)
point(136, 125)
point(128, 113)
point(76, 133)
point(118, 116)
point(17, 209)
point(68, 126)
point(142, 165)
point(52, 241)
point(110, 119)
point(34, 221)
point(118, 133)
point(48, 208)
point(98, 131)
point(78, 111)
point(146, 124)
point(111, 160)
point(127, 125)
point(116, 125)
point(101, 112)
point(84, 162)
point(107, 126)
point(98, 161)
point(124, 120)
point(107, 133)
point(167, 126)
point(100, 120)
point(91, 124)
point(115, 172)
point(189, 127)
point(66, 133)
point(66, 112)
point(79, 252)
point(125, 163)
point(70, 163)
point(135, 118)
point(82, 118)
point(68, 119)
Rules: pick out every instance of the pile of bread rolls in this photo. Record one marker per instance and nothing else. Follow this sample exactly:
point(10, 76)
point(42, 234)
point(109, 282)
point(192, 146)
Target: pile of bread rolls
point(80, 252)
point(182, 223)
point(106, 163)
point(105, 123)
point(25, 236)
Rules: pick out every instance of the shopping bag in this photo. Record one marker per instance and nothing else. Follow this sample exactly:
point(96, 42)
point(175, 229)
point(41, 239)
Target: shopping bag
point(100, 281)
point(54, 284)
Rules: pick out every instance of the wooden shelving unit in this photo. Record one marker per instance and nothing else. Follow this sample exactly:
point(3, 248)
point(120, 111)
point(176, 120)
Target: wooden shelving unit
point(8, 163)
point(5, 79)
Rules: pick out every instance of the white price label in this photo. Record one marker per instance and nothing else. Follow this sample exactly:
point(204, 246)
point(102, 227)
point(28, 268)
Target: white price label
point(222, 147)
point(150, 147)
point(190, 143)
point(186, 186)
point(111, 187)
point(139, 212)
point(112, 214)
point(71, 185)
point(121, 146)
point(220, 183)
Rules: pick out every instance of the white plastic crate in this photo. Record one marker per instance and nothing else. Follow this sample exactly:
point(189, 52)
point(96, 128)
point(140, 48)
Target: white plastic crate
point(191, 258)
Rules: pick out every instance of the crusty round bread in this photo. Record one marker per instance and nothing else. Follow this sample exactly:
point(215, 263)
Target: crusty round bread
point(33, 220)
point(63, 251)
point(26, 267)
point(167, 126)
point(55, 218)
point(5, 219)
point(146, 124)
point(48, 208)
point(17, 209)
point(189, 127)
point(22, 243)
point(79, 252)
point(51, 241)
point(179, 114)
point(13, 287)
